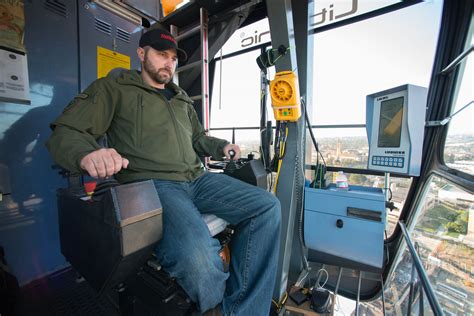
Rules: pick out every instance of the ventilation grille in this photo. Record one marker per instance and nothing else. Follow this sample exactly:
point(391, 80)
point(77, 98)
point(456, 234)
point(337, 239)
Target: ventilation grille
point(123, 35)
point(56, 6)
point(103, 26)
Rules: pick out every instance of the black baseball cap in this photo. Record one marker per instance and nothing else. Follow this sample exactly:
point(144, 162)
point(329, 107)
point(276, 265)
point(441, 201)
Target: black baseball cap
point(162, 40)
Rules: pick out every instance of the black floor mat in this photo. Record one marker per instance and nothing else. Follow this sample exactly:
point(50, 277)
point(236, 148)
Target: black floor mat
point(61, 293)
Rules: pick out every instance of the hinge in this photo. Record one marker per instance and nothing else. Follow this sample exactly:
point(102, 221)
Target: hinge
point(447, 119)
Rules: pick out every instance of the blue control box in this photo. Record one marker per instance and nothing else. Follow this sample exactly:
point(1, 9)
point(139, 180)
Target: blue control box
point(345, 227)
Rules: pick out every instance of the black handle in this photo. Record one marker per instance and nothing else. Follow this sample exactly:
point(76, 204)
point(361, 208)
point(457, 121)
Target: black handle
point(232, 154)
point(371, 215)
point(339, 223)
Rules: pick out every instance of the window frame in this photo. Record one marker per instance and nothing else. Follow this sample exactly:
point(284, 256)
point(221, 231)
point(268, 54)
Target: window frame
point(442, 167)
point(440, 104)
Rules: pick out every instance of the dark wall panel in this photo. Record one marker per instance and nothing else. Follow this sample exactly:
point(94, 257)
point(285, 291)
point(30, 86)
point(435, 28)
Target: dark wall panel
point(28, 217)
point(99, 27)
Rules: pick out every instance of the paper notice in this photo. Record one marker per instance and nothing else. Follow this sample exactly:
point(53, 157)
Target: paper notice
point(108, 59)
point(14, 85)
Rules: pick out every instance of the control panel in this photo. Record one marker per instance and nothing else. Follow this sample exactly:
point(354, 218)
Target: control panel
point(395, 121)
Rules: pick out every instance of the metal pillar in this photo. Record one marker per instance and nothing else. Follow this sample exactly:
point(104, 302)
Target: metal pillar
point(291, 179)
point(204, 71)
point(304, 54)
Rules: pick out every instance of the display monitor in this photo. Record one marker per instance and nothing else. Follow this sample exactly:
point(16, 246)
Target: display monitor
point(395, 120)
point(390, 124)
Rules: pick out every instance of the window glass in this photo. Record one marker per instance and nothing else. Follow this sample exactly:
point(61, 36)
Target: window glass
point(248, 140)
point(459, 146)
point(330, 11)
point(404, 294)
point(343, 147)
point(373, 55)
point(444, 235)
point(248, 36)
point(325, 12)
point(235, 101)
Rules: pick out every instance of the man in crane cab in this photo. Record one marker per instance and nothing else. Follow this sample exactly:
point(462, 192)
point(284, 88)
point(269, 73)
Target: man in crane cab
point(153, 132)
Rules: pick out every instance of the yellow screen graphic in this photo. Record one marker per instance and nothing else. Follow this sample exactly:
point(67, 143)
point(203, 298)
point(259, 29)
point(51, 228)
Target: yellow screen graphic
point(390, 124)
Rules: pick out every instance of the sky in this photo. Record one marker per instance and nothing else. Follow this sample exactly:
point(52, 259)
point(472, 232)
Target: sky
point(350, 62)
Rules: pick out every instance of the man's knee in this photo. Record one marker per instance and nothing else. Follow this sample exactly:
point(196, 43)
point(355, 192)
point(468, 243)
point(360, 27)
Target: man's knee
point(205, 278)
point(274, 210)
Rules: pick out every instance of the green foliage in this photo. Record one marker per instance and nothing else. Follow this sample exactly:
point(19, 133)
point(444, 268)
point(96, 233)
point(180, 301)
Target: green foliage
point(358, 179)
point(431, 224)
point(455, 221)
point(452, 234)
point(456, 227)
point(441, 212)
point(428, 230)
point(459, 225)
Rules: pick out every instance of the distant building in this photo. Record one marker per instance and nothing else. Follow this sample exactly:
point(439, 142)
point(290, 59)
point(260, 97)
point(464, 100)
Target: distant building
point(454, 195)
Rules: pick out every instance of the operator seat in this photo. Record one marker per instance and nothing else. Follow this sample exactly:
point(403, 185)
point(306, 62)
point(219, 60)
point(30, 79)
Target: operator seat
point(109, 237)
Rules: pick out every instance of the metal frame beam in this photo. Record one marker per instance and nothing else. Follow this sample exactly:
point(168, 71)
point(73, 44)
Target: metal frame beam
point(304, 54)
point(291, 178)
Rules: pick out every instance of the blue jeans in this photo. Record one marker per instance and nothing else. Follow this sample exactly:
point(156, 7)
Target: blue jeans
point(189, 253)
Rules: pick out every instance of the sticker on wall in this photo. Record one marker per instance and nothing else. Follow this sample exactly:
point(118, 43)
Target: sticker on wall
point(14, 84)
point(108, 59)
point(12, 24)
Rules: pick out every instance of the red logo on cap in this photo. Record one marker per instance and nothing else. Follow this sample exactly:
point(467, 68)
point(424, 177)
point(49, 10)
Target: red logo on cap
point(167, 37)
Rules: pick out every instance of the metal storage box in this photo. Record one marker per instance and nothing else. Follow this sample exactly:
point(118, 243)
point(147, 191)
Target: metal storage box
point(345, 227)
point(110, 236)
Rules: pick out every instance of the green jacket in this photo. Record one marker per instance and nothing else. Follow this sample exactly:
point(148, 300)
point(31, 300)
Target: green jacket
point(162, 139)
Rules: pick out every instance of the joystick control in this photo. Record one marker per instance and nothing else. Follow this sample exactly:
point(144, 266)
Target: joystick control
point(231, 166)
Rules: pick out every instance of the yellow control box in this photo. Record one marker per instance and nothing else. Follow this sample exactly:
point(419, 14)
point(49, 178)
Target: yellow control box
point(284, 91)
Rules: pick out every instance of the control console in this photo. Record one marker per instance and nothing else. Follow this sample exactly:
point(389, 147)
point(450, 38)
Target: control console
point(248, 169)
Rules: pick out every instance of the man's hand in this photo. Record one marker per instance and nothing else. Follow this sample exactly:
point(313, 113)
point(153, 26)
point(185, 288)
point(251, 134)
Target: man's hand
point(233, 147)
point(103, 163)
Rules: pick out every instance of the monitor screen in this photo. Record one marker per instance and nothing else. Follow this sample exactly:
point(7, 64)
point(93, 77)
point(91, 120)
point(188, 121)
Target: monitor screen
point(390, 124)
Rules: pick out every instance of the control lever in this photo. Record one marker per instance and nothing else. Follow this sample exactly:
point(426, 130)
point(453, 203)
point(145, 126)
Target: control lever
point(231, 166)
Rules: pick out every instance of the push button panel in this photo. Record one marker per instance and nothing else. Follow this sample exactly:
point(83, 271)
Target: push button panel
point(394, 162)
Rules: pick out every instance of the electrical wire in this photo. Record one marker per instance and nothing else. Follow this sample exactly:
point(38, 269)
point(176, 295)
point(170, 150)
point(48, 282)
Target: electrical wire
point(263, 113)
point(319, 286)
point(282, 147)
point(300, 191)
point(279, 305)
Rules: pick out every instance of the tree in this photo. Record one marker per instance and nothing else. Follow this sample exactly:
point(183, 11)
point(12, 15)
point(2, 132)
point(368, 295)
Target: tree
point(358, 179)
point(449, 158)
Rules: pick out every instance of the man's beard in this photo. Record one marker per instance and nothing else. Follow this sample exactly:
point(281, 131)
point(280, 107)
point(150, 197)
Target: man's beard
point(157, 74)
